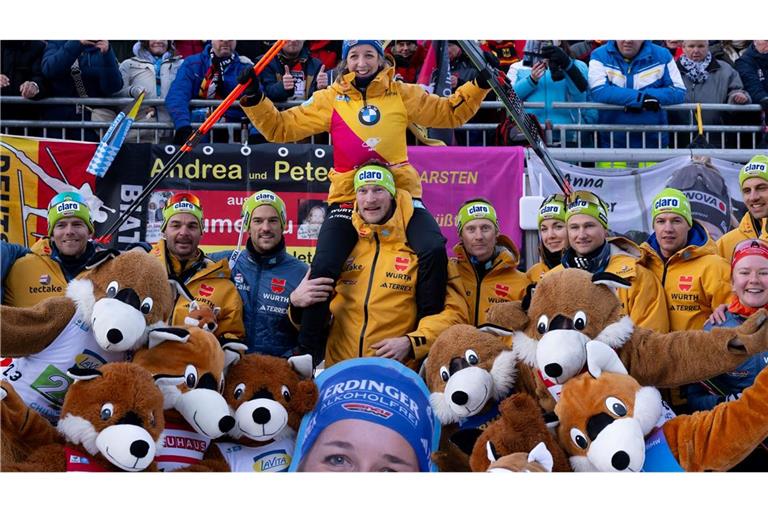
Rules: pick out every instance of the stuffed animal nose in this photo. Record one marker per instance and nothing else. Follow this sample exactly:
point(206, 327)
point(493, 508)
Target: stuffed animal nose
point(226, 423)
point(139, 448)
point(620, 460)
point(129, 296)
point(553, 370)
point(459, 397)
point(114, 336)
point(261, 415)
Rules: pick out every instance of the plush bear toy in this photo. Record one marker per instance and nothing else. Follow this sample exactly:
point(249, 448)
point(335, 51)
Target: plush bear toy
point(22, 430)
point(188, 366)
point(609, 422)
point(567, 309)
point(518, 430)
point(108, 311)
point(111, 420)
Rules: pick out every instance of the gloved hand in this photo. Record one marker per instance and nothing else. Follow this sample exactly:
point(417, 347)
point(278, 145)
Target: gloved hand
point(135, 91)
point(651, 104)
point(556, 55)
point(252, 94)
point(181, 135)
point(482, 78)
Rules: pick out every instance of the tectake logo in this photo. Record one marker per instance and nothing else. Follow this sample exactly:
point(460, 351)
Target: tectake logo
point(67, 207)
point(478, 210)
point(667, 202)
point(370, 176)
point(45, 279)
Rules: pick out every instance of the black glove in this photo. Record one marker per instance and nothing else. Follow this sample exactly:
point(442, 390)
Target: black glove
point(181, 135)
point(483, 77)
point(764, 103)
point(556, 55)
point(651, 104)
point(252, 94)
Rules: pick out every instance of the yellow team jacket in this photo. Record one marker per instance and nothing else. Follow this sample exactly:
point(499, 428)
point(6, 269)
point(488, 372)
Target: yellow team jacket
point(695, 280)
point(376, 292)
point(34, 277)
point(502, 283)
point(537, 271)
point(727, 243)
point(644, 301)
point(210, 285)
point(367, 127)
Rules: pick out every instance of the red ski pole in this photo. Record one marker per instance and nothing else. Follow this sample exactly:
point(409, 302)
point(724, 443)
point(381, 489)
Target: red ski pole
point(192, 141)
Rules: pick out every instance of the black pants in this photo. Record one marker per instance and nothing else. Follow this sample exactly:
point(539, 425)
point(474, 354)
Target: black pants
point(335, 242)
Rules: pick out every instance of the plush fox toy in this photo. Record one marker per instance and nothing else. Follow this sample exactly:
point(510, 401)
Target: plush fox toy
point(539, 460)
point(609, 422)
point(202, 316)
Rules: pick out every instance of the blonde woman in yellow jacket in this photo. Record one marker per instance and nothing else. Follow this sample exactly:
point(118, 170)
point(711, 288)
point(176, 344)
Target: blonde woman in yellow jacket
point(487, 261)
point(682, 256)
point(375, 309)
point(753, 181)
point(591, 250)
point(553, 236)
point(366, 112)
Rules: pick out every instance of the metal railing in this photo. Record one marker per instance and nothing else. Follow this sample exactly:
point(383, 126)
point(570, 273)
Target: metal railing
point(585, 133)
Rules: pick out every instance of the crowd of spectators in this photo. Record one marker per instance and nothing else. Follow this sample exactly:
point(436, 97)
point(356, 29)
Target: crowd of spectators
point(641, 76)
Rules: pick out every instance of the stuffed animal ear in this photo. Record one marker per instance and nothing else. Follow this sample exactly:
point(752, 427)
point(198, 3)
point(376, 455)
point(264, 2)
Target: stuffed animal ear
point(490, 451)
point(508, 315)
point(302, 365)
point(216, 312)
point(602, 358)
point(83, 373)
point(541, 455)
point(528, 296)
point(3, 394)
point(305, 399)
point(465, 439)
point(100, 257)
point(193, 306)
point(496, 330)
point(610, 280)
point(233, 352)
point(178, 289)
point(162, 334)
point(423, 369)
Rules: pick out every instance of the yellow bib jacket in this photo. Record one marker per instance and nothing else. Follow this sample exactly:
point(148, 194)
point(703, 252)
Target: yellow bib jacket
point(376, 293)
point(728, 242)
point(502, 283)
point(365, 127)
point(34, 277)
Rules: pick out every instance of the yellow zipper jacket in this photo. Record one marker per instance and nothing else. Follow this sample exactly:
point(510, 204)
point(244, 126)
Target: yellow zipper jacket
point(34, 277)
point(376, 292)
point(502, 283)
point(728, 242)
point(367, 127)
point(695, 279)
point(211, 286)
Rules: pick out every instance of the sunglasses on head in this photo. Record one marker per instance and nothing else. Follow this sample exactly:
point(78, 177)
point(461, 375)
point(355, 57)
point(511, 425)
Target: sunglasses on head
point(589, 197)
point(184, 196)
point(558, 198)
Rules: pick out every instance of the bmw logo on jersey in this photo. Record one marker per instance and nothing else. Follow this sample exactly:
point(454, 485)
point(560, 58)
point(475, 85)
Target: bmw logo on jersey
point(369, 115)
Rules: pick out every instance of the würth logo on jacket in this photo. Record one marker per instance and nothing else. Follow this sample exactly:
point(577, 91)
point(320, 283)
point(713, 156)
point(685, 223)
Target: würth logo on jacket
point(501, 290)
point(401, 263)
point(685, 283)
point(278, 285)
point(205, 290)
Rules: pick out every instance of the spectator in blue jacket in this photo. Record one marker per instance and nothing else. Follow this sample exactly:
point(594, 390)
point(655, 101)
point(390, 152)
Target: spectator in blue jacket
point(294, 74)
point(84, 68)
point(209, 75)
point(551, 75)
point(749, 279)
point(641, 77)
point(268, 278)
point(753, 70)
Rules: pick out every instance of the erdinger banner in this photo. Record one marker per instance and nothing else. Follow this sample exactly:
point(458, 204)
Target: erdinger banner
point(711, 186)
point(224, 175)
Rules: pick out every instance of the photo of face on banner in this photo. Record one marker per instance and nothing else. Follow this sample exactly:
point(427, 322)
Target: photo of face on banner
point(708, 193)
point(312, 214)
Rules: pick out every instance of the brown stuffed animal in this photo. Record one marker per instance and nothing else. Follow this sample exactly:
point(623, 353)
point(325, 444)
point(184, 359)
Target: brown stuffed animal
point(467, 371)
point(22, 430)
point(569, 308)
point(269, 395)
point(519, 429)
point(106, 312)
point(202, 316)
point(539, 460)
point(609, 422)
point(111, 420)
point(188, 367)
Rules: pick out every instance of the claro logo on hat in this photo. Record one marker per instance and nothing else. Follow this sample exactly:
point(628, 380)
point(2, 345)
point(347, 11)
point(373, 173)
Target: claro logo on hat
point(183, 205)
point(67, 207)
point(577, 204)
point(755, 167)
point(266, 196)
point(667, 202)
point(550, 209)
point(370, 176)
point(478, 210)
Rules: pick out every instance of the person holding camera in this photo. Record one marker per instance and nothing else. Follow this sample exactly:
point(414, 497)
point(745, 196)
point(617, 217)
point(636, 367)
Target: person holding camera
point(548, 74)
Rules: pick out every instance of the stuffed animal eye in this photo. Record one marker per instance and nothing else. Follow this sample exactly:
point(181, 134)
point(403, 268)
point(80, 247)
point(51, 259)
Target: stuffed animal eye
point(239, 390)
point(578, 437)
point(616, 406)
point(112, 289)
point(146, 306)
point(580, 320)
point(190, 376)
point(444, 374)
point(542, 324)
point(471, 357)
point(286, 393)
point(106, 411)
